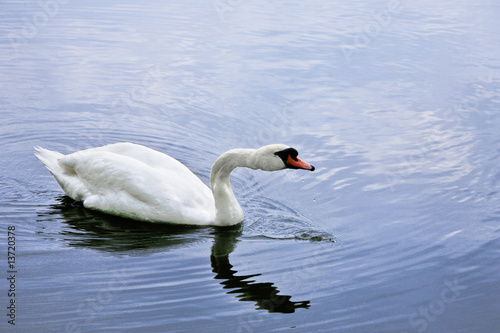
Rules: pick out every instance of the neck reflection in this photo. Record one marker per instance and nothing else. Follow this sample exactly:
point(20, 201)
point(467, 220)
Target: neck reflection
point(265, 295)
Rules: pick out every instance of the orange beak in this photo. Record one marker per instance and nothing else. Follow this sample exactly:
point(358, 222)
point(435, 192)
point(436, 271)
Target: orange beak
point(299, 164)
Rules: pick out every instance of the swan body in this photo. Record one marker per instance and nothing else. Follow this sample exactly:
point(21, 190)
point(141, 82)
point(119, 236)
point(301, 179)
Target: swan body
point(140, 183)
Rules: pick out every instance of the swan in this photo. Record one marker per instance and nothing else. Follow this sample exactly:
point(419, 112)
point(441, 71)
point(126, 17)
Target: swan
point(140, 183)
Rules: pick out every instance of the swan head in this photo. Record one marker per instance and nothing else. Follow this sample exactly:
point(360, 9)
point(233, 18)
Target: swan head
point(278, 157)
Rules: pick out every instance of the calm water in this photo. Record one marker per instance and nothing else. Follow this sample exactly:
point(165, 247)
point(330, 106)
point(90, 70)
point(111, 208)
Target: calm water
point(395, 103)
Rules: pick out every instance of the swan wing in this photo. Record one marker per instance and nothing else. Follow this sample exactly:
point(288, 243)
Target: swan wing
point(136, 182)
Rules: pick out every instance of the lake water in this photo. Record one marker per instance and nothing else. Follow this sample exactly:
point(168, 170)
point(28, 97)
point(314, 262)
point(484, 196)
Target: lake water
point(395, 102)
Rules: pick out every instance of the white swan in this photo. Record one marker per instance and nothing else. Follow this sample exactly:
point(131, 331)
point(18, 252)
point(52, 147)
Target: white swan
point(140, 183)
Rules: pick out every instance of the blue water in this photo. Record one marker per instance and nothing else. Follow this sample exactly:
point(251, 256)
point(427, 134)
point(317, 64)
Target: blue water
point(394, 102)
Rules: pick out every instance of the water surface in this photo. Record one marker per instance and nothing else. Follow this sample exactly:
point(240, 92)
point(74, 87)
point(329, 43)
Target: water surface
point(395, 103)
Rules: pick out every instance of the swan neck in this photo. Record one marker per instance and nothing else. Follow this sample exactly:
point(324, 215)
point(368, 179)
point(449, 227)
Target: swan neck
point(228, 210)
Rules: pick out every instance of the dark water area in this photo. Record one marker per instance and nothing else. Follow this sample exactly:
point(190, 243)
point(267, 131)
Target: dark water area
point(396, 104)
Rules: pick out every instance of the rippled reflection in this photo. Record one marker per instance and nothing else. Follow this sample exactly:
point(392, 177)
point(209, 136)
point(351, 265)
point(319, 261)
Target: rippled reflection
point(117, 235)
point(265, 294)
point(102, 232)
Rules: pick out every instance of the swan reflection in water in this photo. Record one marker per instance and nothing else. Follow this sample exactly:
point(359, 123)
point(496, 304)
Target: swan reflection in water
point(265, 295)
point(112, 234)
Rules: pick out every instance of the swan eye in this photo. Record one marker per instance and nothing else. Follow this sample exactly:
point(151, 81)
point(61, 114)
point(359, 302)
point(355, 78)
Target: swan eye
point(291, 161)
point(284, 154)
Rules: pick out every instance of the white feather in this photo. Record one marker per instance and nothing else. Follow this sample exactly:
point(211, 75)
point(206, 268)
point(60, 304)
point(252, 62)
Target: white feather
point(137, 182)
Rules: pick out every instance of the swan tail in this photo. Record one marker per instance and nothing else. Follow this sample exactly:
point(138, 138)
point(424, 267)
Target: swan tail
point(50, 159)
point(66, 177)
